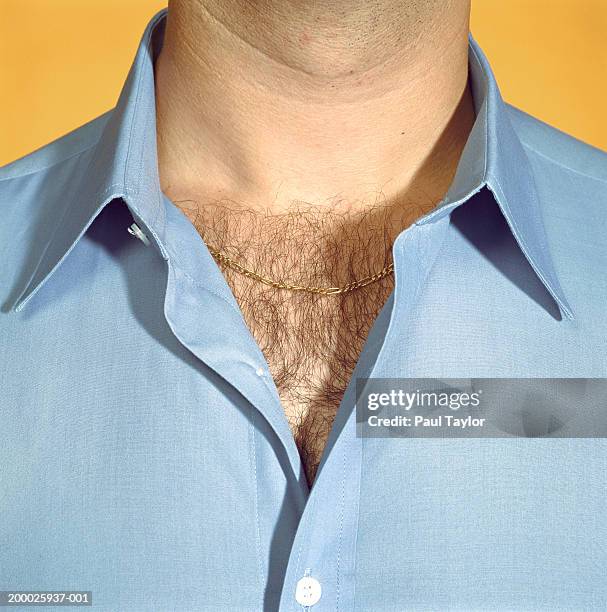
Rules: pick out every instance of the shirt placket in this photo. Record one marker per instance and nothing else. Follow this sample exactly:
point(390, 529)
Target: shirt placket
point(322, 568)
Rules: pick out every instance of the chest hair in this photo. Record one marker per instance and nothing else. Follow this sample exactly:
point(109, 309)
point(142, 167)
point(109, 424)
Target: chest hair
point(311, 342)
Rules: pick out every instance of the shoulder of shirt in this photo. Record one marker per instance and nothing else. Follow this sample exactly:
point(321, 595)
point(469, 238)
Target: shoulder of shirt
point(569, 154)
point(57, 152)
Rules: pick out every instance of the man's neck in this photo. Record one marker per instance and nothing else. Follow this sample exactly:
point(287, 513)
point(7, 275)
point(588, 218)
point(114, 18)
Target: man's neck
point(281, 101)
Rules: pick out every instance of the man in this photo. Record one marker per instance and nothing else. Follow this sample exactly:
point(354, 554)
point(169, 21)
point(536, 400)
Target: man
point(314, 193)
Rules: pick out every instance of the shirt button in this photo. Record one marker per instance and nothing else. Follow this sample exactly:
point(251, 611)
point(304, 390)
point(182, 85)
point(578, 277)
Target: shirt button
point(135, 230)
point(308, 591)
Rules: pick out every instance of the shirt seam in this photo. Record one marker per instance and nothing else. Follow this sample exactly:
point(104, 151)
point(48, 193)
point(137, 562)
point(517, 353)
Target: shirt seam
point(556, 162)
point(486, 121)
point(341, 527)
point(360, 443)
point(312, 515)
point(49, 166)
point(132, 126)
point(252, 434)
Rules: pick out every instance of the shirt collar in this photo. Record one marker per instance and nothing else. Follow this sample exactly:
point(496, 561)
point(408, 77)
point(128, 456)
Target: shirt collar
point(123, 164)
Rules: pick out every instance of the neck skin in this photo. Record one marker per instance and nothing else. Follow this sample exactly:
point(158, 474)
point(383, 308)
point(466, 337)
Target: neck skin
point(276, 102)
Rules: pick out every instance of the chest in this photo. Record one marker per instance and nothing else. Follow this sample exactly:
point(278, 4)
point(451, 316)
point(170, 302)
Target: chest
point(312, 344)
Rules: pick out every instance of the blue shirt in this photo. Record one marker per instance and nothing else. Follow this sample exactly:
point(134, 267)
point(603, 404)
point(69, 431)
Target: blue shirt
point(146, 457)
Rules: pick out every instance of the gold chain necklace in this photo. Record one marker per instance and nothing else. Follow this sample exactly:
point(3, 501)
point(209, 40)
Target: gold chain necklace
point(363, 282)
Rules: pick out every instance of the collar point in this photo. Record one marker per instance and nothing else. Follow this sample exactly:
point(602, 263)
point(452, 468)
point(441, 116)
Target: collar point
point(22, 301)
point(18, 306)
point(566, 312)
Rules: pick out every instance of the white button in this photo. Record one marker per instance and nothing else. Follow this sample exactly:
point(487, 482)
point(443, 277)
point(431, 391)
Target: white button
point(260, 371)
point(308, 591)
point(135, 230)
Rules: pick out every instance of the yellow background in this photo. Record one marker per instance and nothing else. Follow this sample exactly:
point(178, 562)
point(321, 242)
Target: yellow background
point(63, 62)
